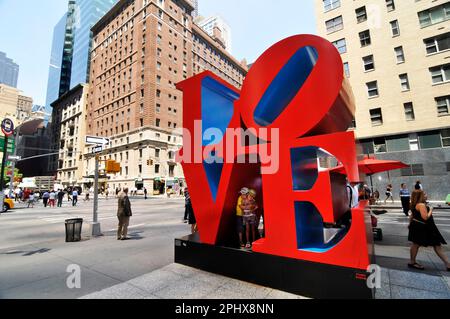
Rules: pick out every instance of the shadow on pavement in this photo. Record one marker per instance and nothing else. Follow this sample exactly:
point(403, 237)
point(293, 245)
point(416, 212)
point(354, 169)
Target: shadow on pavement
point(28, 253)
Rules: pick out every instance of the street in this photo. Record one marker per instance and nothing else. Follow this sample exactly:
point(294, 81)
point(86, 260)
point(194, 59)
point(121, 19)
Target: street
point(34, 256)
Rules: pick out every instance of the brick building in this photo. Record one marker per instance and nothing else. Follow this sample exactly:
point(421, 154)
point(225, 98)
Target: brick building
point(141, 50)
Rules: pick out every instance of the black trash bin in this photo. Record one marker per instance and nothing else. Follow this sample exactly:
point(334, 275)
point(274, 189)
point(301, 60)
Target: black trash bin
point(73, 230)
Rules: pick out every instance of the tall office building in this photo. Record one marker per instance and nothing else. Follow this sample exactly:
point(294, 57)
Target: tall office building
point(87, 13)
point(61, 57)
point(141, 49)
point(9, 71)
point(216, 26)
point(70, 56)
point(396, 56)
point(195, 12)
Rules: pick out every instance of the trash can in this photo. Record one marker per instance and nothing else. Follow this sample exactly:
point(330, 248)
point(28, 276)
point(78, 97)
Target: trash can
point(73, 230)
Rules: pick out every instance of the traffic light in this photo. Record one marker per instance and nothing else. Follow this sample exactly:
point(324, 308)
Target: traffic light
point(112, 167)
point(149, 162)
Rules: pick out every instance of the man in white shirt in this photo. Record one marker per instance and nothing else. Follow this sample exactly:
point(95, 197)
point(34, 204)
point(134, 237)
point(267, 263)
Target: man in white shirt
point(74, 197)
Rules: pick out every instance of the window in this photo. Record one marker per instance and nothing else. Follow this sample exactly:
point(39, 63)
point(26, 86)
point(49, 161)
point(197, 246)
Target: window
point(372, 89)
point(379, 145)
point(364, 38)
point(140, 169)
point(346, 69)
point(398, 143)
point(404, 81)
point(335, 24)
point(157, 169)
point(331, 4)
point(399, 55)
point(430, 140)
point(413, 170)
point(361, 14)
point(376, 117)
point(409, 111)
point(368, 63)
point(440, 74)
point(395, 28)
point(390, 5)
point(437, 44)
point(158, 122)
point(434, 15)
point(445, 137)
point(341, 46)
point(443, 105)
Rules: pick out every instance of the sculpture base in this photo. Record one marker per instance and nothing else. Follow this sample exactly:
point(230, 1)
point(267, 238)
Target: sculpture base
point(304, 278)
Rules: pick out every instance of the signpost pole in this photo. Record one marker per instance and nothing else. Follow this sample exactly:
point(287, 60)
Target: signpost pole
point(5, 154)
point(95, 227)
point(13, 165)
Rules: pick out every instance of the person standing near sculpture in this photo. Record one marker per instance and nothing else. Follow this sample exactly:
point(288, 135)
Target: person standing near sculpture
point(405, 197)
point(423, 232)
point(123, 214)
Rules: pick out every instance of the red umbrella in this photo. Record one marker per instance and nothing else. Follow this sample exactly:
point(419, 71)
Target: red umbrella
point(370, 166)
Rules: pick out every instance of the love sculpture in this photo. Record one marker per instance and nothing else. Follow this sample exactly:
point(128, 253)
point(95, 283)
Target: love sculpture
point(296, 101)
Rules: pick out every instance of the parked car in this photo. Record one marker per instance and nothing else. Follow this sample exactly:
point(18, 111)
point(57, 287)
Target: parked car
point(7, 205)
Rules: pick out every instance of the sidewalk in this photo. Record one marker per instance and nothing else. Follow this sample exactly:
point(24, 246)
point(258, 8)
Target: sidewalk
point(181, 282)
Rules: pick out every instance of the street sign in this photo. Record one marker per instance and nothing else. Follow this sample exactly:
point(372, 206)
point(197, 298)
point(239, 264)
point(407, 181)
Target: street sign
point(7, 127)
point(96, 140)
point(14, 158)
point(97, 149)
point(10, 147)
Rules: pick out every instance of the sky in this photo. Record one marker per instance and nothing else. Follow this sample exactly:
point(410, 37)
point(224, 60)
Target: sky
point(26, 31)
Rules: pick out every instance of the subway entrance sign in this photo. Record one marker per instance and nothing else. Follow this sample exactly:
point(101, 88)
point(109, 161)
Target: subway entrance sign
point(11, 144)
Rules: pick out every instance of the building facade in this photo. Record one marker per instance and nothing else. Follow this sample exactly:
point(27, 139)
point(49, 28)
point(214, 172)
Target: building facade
point(215, 24)
point(9, 71)
point(396, 57)
point(141, 50)
point(24, 108)
point(87, 13)
point(68, 136)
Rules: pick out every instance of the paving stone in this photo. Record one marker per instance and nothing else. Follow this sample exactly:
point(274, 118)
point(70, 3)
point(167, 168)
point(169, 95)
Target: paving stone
point(417, 281)
point(399, 292)
point(187, 288)
point(156, 280)
point(122, 291)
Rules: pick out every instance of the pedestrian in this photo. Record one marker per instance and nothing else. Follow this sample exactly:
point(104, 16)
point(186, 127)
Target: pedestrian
point(423, 232)
point(74, 197)
point(190, 212)
point(31, 200)
point(123, 214)
point(405, 197)
point(418, 186)
point(389, 193)
point(249, 207)
point(187, 201)
point(68, 195)
point(17, 194)
point(52, 199)
point(352, 194)
point(60, 197)
point(145, 193)
point(240, 215)
point(45, 198)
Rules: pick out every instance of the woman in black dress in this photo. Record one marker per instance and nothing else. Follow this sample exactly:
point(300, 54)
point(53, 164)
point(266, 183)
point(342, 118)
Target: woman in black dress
point(423, 232)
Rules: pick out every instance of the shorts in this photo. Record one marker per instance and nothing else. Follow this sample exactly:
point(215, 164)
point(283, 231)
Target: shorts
point(249, 219)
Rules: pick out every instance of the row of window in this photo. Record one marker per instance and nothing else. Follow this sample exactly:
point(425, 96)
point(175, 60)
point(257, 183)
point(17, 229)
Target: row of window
point(442, 108)
point(408, 142)
point(329, 5)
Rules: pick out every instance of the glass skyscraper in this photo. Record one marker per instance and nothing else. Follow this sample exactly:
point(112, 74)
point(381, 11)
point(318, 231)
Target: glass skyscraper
point(87, 13)
point(61, 57)
point(9, 71)
point(70, 57)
